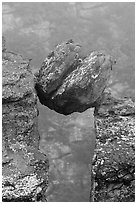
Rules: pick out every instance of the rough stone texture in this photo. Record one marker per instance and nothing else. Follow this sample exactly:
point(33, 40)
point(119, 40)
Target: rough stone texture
point(114, 157)
point(24, 167)
point(68, 81)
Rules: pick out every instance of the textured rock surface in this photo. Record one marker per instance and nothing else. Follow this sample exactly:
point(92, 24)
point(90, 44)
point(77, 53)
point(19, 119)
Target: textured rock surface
point(24, 167)
point(68, 81)
point(114, 158)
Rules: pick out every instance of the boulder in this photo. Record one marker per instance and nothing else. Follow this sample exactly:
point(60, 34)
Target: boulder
point(24, 167)
point(68, 81)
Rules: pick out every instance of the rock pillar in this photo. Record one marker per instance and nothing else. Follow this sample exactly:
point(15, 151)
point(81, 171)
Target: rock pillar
point(24, 167)
point(114, 156)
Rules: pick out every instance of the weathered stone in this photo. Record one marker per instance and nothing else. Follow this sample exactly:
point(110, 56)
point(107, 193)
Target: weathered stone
point(114, 157)
point(70, 82)
point(24, 166)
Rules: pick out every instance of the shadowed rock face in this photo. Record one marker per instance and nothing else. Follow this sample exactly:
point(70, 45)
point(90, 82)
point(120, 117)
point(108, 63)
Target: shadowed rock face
point(70, 82)
point(24, 167)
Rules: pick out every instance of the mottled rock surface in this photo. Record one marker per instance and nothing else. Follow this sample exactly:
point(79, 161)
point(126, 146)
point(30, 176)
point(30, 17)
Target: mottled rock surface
point(68, 81)
point(114, 157)
point(24, 167)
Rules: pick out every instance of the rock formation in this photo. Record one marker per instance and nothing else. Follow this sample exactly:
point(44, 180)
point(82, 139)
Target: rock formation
point(67, 82)
point(70, 82)
point(24, 166)
point(114, 156)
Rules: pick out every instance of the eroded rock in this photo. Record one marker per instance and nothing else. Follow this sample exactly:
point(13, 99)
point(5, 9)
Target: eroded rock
point(24, 167)
point(68, 81)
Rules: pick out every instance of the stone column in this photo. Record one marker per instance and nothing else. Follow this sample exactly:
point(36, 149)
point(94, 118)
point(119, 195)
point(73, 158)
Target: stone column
point(24, 167)
point(114, 156)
